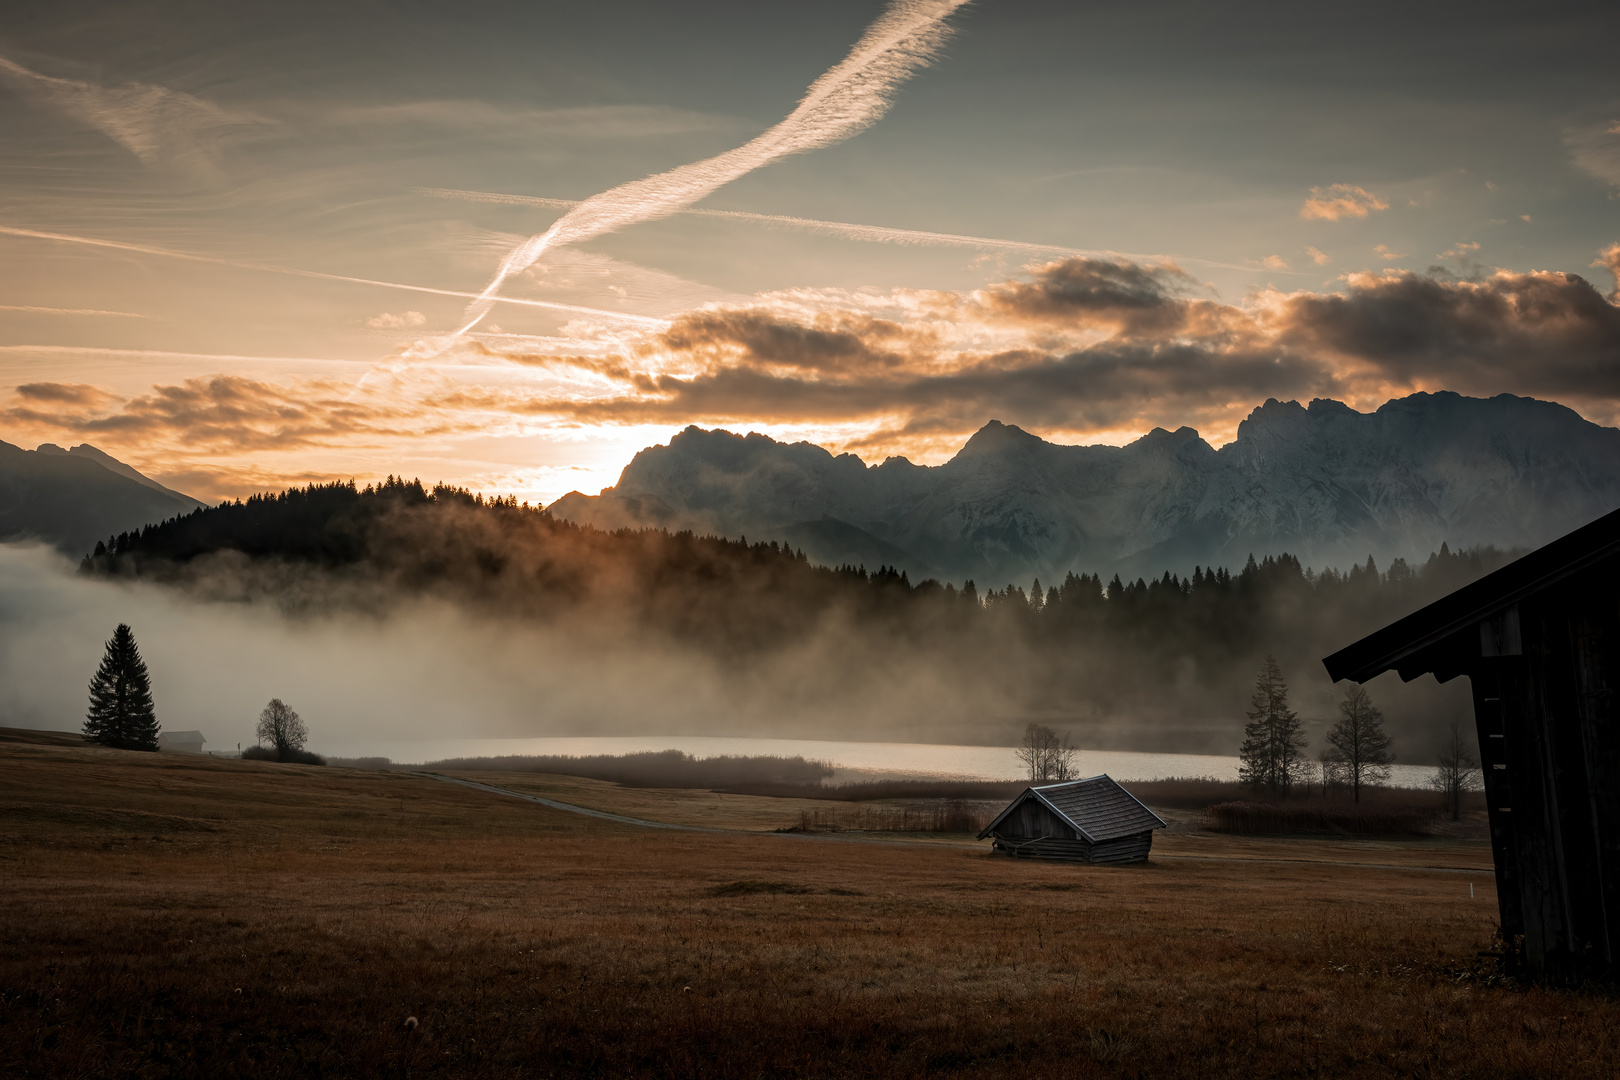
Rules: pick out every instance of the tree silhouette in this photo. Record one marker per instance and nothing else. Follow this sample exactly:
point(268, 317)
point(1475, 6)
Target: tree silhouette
point(121, 713)
point(282, 728)
point(1456, 770)
point(1273, 748)
point(1358, 744)
point(1046, 754)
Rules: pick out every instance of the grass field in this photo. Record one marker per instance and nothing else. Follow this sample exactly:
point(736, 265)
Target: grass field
point(176, 916)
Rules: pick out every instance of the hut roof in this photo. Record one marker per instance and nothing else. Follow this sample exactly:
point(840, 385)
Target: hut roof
point(1407, 645)
point(1097, 807)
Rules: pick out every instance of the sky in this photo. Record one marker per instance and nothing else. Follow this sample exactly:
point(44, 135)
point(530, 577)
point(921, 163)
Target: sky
point(242, 246)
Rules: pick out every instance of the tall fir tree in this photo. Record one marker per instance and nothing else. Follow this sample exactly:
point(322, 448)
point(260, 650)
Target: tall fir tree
point(1273, 751)
point(121, 713)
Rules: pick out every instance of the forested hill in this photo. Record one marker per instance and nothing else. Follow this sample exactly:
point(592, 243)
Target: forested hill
point(1080, 647)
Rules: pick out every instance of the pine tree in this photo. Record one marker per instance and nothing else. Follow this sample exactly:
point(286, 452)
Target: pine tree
point(1358, 743)
point(1273, 751)
point(121, 713)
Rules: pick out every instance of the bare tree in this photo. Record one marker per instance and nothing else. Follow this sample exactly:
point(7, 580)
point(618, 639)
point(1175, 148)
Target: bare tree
point(1358, 744)
point(282, 728)
point(1456, 770)
point(1045, 754)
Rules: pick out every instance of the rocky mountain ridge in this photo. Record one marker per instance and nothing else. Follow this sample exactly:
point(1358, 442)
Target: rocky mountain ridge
point(72, 498)
point(1327, 483)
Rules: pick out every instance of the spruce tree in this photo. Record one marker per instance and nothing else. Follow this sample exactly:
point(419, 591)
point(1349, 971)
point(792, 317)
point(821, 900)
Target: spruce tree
point(1273, 751)
point(121, 713)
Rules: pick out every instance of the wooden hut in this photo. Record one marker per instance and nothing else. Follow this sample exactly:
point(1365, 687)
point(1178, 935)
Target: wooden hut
point(1089, 821)
point(1539, 640)
point(181, 742)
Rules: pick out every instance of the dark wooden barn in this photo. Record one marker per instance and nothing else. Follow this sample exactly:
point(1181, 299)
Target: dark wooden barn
point(1539, 640)
point(1089, 821)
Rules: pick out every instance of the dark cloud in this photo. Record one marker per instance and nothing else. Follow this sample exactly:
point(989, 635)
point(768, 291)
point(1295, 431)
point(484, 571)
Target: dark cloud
point(222, 412)
point(81, 394)
point(1135, 298)
point(838, 343)
point(1541, 333)
point(1107, 345)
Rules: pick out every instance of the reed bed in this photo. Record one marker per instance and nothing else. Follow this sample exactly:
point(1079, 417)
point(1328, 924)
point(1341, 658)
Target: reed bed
point(945, 816)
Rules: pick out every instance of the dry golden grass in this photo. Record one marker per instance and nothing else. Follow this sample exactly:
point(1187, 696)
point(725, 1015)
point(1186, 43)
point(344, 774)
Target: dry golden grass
point(180, 916)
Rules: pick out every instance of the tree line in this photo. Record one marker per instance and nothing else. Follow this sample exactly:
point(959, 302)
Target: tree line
point(1081, 646)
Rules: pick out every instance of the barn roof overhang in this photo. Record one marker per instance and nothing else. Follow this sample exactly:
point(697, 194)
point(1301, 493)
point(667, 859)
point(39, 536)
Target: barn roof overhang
point(1435, 639)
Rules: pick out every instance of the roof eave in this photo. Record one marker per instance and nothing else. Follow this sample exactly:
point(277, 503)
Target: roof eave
point(1406, 637)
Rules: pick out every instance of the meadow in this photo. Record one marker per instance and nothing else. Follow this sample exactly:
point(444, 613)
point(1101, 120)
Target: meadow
point(167, 915)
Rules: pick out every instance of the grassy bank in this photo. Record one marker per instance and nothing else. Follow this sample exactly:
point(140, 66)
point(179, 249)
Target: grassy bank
point(192, 917)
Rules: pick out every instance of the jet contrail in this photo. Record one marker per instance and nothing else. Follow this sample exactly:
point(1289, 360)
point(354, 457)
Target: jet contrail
point(849, 230)
point(170, 253)
point(845, 100)
point(35, 310)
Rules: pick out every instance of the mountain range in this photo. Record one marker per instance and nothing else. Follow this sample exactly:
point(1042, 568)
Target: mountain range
point(1322, 481)
point(72, 498)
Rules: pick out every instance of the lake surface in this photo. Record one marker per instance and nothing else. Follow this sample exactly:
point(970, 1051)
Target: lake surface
point(870, 759)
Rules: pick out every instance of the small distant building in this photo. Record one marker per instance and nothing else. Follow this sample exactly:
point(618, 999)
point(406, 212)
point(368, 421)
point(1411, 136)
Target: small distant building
point(180, 742)
point(1089, 821)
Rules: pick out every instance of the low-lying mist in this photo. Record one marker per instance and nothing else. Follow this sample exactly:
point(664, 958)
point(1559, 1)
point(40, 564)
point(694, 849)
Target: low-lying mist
point(406, 614)
point(423, 668)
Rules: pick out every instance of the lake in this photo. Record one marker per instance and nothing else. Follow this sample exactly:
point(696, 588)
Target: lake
point(855, 760)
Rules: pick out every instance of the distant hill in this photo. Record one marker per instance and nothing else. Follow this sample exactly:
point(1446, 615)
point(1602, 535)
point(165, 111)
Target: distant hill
point(1324, 482)
point(72, 498)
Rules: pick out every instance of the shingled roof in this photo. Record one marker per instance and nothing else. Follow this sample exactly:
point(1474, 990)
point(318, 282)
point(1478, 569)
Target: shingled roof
point(1409, 645)
point(1097, 807)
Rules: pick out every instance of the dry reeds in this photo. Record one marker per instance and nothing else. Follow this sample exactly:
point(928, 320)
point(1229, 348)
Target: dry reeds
point(947, 816)
point(1276, 819)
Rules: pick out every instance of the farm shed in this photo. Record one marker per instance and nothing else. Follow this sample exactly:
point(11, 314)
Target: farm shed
point(1089, 821)
point(1539, 641)
point(184, 742)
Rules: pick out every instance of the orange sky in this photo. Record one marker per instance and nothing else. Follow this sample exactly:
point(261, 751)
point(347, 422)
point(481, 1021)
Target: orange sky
point(245, 273)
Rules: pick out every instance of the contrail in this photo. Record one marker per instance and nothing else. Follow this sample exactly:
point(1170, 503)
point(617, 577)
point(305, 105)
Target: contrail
point(35, 310)
point(845, 100)
point(848, 230)
point(170, 253)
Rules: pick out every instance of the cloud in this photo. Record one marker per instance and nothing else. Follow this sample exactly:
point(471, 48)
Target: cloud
point(1462, 249)
point(1090, 345)
point(163, 128)
point(1387, 255)
point(78, 394)
point(1080, 346)
point(389, 321)
point(1274, 262)
point(1596, 150)
point(1541, 333)
point(1609, 259)
point(1318, 257)
point(220, 413)
point(1337, 201)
